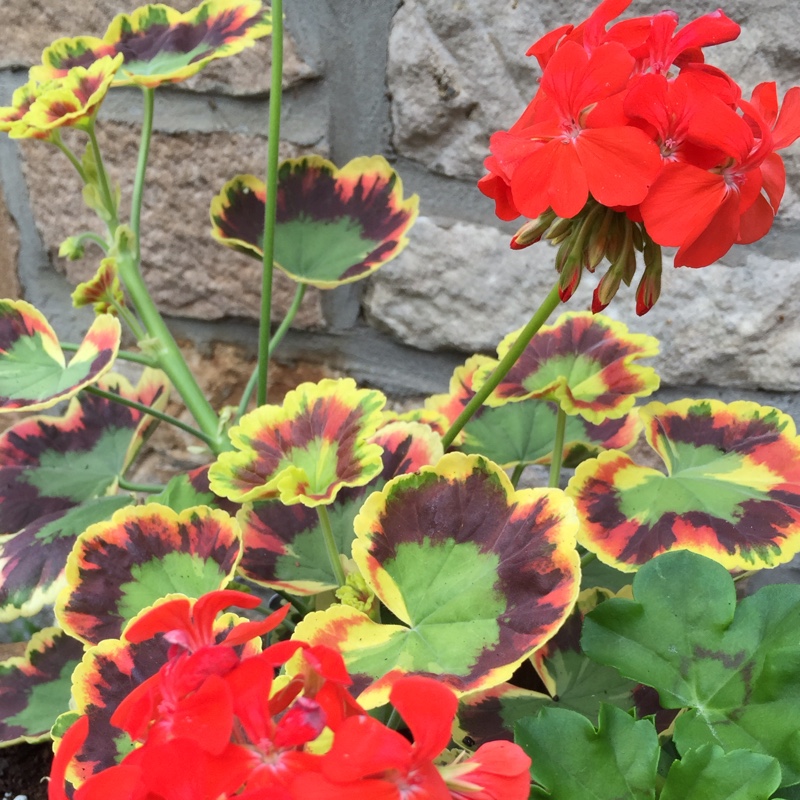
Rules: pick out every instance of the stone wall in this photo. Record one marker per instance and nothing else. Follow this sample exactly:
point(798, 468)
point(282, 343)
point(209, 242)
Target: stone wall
point(424, 82)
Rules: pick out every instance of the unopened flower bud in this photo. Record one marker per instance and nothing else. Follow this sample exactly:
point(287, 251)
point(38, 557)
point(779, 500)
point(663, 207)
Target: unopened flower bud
point(532, 231)
point(72, 248)
point(560, 229)
point(650, 285)
point(607, 288)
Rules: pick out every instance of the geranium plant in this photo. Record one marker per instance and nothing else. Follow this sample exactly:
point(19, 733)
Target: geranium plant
point(416, 626)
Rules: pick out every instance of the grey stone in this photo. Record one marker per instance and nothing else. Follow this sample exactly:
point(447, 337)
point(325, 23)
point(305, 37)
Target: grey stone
point(459, 286)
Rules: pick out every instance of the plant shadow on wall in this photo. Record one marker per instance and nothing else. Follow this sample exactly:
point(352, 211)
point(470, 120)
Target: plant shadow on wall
point(350, 602)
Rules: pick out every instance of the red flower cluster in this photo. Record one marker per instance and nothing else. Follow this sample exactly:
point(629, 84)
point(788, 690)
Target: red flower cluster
point(630, 117)
point(213, 725)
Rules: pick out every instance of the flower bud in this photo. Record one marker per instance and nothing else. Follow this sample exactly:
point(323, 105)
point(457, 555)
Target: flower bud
point(532, 231)
point(650, 285)
point(607, 288)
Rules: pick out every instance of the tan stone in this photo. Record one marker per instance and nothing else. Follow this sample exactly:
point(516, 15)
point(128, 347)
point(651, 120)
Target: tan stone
point(188, 273)
point(9, 250)
point(222, 370)
point(31, 25)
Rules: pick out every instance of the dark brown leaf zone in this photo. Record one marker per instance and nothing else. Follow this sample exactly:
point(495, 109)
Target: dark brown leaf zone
point(16, 684)
point(106, 566)
point(476, 510)
point(315, 192)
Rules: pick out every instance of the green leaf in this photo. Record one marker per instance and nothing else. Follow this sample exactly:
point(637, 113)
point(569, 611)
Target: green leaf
point(735, 670)
point(710, 774)
point(572, 760)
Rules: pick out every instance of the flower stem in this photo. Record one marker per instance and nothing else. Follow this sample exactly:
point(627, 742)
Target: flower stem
point(141, 164)
point(330, 545)
point(160, 415)
point(558, 448)
point(270, 205)
point(71, 156)
point(145, 488)
point(587, 558)
point(90, 236)
point(501, 370)
point(133, 323)
point(517, 473)
point(273, 343)
point(102, 175)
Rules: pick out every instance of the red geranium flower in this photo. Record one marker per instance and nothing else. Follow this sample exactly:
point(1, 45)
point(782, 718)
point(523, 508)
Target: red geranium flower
point(575, 139)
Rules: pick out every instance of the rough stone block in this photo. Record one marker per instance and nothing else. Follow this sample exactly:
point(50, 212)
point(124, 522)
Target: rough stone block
point(459, 286)
point(9, 250)
point(457, 71)
point(31, 25)
point(189, 274)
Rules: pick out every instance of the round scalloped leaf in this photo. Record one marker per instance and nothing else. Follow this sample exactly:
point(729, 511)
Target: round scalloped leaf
point(119, 567)
point(52, 463)
point(731, 492)
point(162, 45)
point(584, 362)
point(306, 450)
point(573, 760)
point(334, 226)
point(32, 561)
point(523, 432)
point(734, 669)
point(35, 688)
point(33, 371)
point(282, 545)
point(480, 574)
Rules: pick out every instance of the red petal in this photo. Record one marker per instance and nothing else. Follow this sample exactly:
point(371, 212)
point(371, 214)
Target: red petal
point(550, 176)
point(363, 747)
point(710, 29)
point(714, 239)
point(71, 742)
point(428, 708)
point(682, 199)
point(620, 164)
point(787, 129)
point(756, 221)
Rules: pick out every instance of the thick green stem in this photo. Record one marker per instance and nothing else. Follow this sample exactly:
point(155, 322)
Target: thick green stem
point(145, 488)
point(330, 545)
point(160, 415)
point(293, 601)
point(517, 474)
point(558, 448)
point(587, 558)
point(271, 203)
point(166, 350)
point(133, 323)
point(273, 343)
point(501, 370)
point(125, 355)
point(141, 164)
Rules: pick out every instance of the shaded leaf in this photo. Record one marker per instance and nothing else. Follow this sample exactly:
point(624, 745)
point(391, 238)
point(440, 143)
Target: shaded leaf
point(119, 567)
point(584, 362)
point(33, 371)
point(283, 545)
point(572, 760)
point(334, 226)
point(306, 450)
point(480, 574)
point(35, 688)
point(731, 492)
point(734, 669)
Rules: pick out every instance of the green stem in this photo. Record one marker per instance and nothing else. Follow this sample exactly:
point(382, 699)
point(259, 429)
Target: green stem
point(274, 342)
point(71, 156)
point(111, 206)
point(330, 543)
point(92, 237)
point(558, 448)
point(141, 164)
point(160, 415)
point(501, 370)
point(293, 601)
point(146, 488)
point(394, 721)
point(133, 323)
point(517, 473)
point(587, 558)
point(125, 355)
point(271, 203)
point(166, 350)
